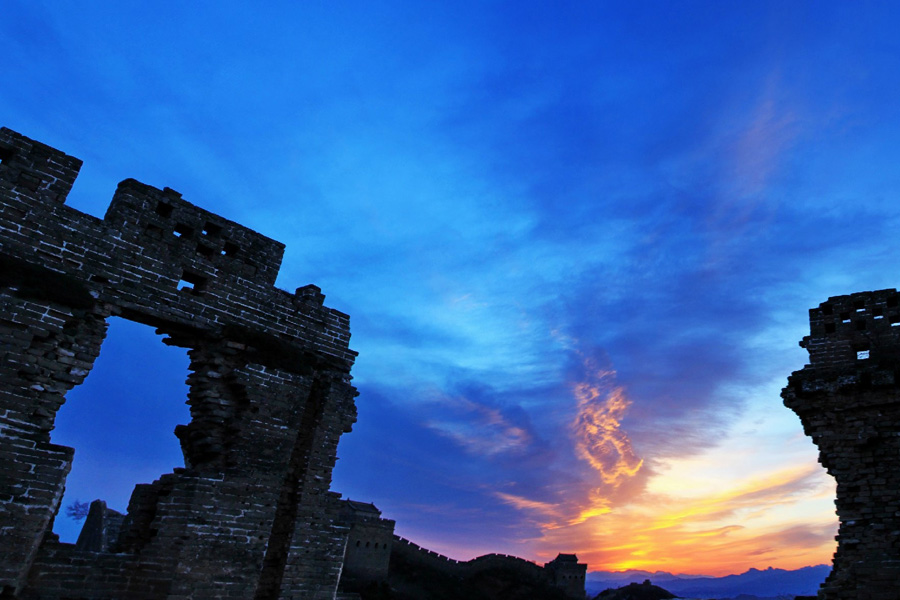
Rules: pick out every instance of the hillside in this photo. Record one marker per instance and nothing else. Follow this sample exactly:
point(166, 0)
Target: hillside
point(408, 581)
point(636, 591)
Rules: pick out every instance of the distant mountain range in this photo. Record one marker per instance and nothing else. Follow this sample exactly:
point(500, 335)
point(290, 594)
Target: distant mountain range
point(769, 583)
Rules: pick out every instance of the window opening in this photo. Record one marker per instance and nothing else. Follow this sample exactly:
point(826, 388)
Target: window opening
point(6, 153)
point(191, 282)
point(862, 354)
point(121, 420)
point(164, 209)
point(182, 230)
point(153, 231)
point(211, 229)
point(229, 249)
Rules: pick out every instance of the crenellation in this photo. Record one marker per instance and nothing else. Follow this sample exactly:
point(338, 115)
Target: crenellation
point(33, 168)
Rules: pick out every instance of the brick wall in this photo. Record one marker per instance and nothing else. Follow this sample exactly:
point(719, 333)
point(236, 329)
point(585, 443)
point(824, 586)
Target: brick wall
point(250, 515)
point(847, 399)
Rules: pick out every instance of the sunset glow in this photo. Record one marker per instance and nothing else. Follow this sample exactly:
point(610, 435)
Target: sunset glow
point(715, 513)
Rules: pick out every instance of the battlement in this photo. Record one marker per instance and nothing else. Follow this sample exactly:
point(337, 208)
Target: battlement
point(157, 257)
point(35, 168)
point(201, 242)
point(846, 330)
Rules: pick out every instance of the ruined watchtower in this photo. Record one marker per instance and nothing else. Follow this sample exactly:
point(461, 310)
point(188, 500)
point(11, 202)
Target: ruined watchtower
point(250, 514)
point(848, 400)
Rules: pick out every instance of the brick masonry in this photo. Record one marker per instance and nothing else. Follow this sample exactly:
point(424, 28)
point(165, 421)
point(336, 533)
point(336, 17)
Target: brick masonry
point(250, 515)
point(847, 400)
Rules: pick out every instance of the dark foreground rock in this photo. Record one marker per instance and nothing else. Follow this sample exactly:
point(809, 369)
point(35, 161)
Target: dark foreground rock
point(636, 591)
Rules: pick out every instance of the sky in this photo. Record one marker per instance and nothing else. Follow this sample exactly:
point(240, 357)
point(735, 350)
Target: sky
point(578, 242)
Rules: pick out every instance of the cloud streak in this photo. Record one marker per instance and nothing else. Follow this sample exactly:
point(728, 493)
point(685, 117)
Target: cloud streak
point(599, 438)
point(480, 429)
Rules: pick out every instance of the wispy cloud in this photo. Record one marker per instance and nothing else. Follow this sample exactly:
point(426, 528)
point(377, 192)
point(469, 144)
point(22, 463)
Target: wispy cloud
point(480, 429)
point(547, 510)
point(599, 437)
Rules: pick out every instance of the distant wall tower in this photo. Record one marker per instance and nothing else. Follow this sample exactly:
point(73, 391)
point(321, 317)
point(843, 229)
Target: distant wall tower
point(368, 553)
point(848, 400)
point(567, 573)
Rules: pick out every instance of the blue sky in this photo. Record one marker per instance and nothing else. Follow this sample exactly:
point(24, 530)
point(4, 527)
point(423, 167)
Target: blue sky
point(577, 243)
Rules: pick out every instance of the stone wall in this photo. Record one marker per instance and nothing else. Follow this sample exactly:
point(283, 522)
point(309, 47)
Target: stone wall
point(847, 399)
point(415, 554)
point(561, 572)
point(250, 514)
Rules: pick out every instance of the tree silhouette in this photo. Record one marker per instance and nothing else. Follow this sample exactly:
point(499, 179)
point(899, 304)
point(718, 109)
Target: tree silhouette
point(78, 510)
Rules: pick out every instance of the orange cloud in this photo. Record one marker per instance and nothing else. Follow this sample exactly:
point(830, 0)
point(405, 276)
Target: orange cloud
point(599, 437)
point(545, 509)
point(748, 524)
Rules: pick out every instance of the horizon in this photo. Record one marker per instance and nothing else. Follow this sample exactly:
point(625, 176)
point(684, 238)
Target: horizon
point(578, 246)
point(698, 575)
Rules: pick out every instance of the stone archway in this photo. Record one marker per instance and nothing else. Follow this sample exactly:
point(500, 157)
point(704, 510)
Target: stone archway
point(251, 514)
